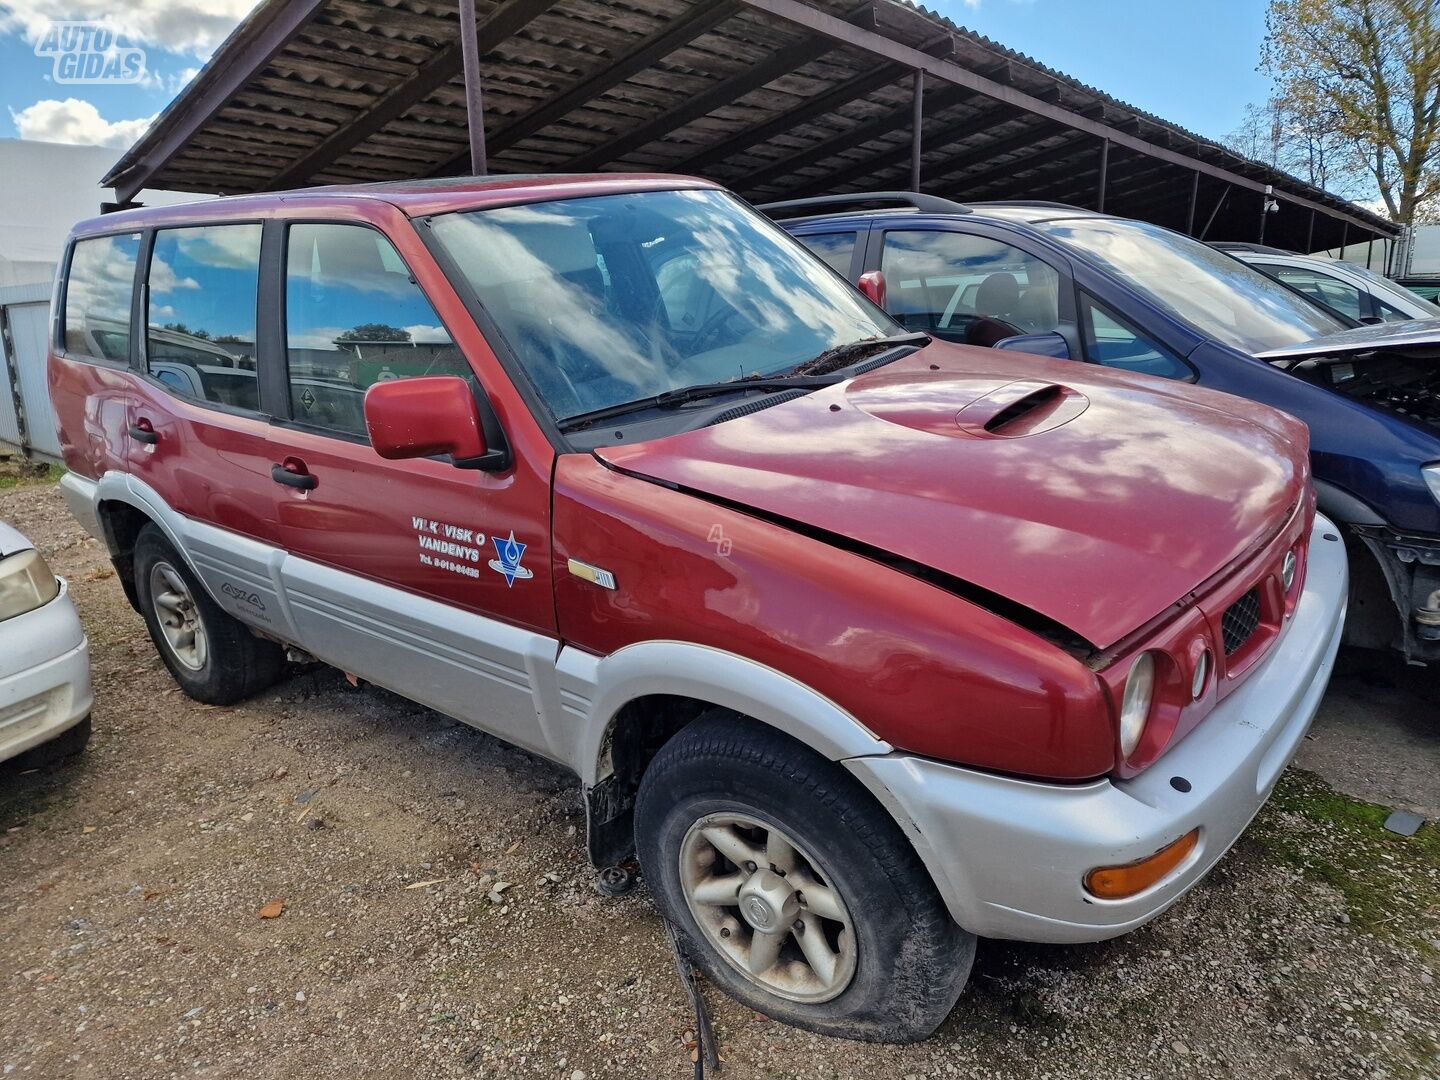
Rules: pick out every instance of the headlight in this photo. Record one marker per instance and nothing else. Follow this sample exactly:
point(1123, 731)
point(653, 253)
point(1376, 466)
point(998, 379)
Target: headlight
point(26, 583)
point(1135, 709)
point(1432, 477)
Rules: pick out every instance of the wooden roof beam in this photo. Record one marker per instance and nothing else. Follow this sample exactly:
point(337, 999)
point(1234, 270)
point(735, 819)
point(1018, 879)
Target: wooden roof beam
point(256, 42)
point(674, 34)
point(935, 102)
point(778, 64)
point(841, 95)
point(501, 24)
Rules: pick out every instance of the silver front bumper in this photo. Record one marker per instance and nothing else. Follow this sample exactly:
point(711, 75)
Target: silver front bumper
point(44, 675)
point(1009, 856)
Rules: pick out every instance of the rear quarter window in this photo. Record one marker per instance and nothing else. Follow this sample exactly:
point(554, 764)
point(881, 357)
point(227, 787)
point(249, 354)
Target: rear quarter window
point(98, 289)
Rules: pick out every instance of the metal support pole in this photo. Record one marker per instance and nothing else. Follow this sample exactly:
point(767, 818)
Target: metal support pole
point(1214, 213)
point(1104, 171)
point(917, 119)
point(1264, 209)
point(474, 97)
point(1369, 251)
point(1344, 237)
point(1194, 201)
point(1310, 235)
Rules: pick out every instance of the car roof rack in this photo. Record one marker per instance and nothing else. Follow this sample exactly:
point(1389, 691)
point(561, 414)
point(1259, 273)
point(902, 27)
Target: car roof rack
point(1044, 204)
point(1245, 245)
point(932, 204)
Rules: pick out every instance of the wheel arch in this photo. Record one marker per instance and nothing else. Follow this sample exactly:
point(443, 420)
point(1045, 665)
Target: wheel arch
point(643, 695)
point(121, 512)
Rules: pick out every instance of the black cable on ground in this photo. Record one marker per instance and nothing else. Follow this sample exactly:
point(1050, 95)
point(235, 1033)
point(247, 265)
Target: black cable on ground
point(706, 1053)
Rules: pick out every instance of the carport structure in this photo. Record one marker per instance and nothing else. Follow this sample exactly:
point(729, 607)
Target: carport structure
point(776, 99)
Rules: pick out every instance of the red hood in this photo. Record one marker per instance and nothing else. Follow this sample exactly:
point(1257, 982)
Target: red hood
point(1092, 497)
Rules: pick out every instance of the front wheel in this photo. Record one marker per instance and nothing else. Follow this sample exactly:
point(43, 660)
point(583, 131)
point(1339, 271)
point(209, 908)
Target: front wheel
point(792, 889)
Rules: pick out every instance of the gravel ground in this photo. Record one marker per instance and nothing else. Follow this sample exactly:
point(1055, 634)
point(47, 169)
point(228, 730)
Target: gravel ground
point(134, 884)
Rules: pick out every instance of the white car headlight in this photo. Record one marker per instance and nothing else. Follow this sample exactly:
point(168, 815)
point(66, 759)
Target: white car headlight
point(26, 583)
point(1432, 477)
point(1135, 709)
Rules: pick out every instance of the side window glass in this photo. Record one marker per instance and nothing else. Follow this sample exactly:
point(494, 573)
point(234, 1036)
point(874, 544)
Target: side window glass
point(354, 317)
point(1323, 289)
point(1111, 342)
point(837, 250)
point(200, 326)
point(1387, 312)
point(97, 297)
point(968, 288)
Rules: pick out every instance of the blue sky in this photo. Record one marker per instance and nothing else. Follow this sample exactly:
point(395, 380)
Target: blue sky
point(1189, 61)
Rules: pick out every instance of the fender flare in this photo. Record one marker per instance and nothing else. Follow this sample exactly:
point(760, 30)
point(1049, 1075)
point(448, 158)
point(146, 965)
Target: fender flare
point(119, 487)
point(725, 679)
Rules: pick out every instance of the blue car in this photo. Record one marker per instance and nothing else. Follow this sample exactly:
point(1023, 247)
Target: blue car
point(1073, 284)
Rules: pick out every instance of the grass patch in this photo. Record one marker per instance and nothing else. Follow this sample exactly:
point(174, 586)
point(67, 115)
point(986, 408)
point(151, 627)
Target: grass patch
point(20, 473)
point(1390, 883)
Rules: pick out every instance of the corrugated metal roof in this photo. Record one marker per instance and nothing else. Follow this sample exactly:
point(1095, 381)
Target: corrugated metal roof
point(740, 91)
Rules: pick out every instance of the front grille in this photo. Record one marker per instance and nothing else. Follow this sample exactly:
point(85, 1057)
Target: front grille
point(1240, 621)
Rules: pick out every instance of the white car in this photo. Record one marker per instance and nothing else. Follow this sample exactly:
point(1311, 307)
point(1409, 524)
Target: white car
point(1346, 288)
point(45, 695)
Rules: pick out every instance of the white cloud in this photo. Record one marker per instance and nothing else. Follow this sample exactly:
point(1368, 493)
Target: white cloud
point(75, 121)
point(428, 335)
point(183, 26)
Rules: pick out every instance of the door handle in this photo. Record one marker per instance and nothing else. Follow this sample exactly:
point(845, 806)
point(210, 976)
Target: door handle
point(293, 474)
point(142, 431)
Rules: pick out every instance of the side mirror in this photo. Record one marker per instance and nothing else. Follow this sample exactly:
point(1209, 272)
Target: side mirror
point(1051, 345)
point(872, 284)
point(429, 415)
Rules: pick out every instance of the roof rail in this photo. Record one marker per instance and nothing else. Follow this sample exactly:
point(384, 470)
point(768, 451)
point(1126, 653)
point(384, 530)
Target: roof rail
point(1245, 245)
point(1045, 203)
point(932, 204)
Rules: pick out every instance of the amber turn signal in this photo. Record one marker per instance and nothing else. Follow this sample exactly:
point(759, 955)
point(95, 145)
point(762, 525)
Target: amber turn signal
point(1118, 882)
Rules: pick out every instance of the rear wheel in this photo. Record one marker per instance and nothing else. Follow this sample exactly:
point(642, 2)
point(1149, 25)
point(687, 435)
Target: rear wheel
point(211, 654)
point(792, 889)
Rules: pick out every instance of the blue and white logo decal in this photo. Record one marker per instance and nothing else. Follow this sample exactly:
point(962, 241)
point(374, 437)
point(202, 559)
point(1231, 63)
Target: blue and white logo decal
point(510, 553)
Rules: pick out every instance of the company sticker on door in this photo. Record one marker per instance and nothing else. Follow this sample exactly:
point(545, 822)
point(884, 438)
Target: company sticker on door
point(460, 550)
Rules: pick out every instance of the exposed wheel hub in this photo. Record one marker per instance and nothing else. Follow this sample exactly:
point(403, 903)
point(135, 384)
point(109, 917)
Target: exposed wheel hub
point(767, 902)
point(766, 906)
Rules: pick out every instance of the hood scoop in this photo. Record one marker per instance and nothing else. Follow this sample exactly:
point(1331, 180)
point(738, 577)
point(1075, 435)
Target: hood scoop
point(980, 406)
point(1021, 408)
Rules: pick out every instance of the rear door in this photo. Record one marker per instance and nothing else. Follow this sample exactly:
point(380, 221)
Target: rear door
point(198, 427)
point(426, 578)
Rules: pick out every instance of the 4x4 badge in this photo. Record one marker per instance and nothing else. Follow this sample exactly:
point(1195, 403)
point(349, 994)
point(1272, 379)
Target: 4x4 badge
point(510, 553)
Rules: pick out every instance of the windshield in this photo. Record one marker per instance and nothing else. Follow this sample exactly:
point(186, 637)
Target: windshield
point(1218, 295)
point(610, 299)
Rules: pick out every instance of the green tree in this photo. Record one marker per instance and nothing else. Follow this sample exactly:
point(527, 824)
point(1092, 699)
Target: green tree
point(1368, 73)
point(374, 332)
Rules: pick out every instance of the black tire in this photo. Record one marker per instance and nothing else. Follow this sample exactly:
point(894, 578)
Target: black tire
point(59, 749)
point(236, 664)
point(911, 960)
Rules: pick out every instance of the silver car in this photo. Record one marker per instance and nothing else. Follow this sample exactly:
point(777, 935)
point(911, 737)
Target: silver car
point(45, 695)
point(1343, 287)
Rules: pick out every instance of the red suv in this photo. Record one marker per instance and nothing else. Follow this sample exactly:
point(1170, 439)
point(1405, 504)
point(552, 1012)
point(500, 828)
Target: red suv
point(867, 644)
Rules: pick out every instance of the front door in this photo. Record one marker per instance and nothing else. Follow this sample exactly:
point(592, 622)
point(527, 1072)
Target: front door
point(428, 579)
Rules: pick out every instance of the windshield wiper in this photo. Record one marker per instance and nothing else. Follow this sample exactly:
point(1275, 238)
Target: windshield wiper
point(844, 355)
point(673, 399)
